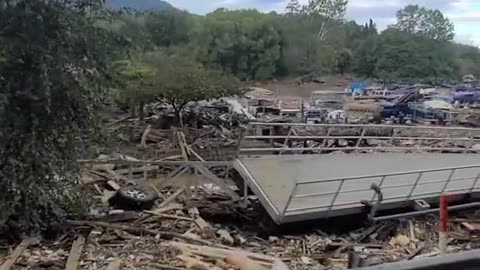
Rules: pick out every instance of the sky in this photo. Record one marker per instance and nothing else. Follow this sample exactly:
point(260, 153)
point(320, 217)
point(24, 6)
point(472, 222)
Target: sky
point(465, 14)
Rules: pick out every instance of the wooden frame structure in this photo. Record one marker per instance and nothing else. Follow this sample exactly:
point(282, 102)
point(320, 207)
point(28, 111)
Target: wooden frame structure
point(315, 138)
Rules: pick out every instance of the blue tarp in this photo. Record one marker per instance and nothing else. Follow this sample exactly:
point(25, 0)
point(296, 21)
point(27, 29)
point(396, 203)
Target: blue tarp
point(357, 86)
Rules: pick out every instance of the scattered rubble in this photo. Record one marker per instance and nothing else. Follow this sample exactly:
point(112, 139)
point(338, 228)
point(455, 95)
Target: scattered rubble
point(176, 236)
point(200, 227)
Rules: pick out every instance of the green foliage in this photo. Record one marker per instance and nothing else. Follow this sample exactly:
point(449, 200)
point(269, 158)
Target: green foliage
point(245, 43)
point(402, 56)
point(325, 13)
point(51, 74)
point(140, 5)
point(427, 22)
point(344, 59)
point(365, 57)
point(133, 79)
point(168, 27)
point(179, 81)
point(312, 38)
point(176, 79)
point(467, 59)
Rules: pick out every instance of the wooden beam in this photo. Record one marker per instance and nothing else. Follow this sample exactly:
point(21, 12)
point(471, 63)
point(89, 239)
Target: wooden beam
point(75, 253)
point(12, 258)
point(137, 230)
point(171, 198)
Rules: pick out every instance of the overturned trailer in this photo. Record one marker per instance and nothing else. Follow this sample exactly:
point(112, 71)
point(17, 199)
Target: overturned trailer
point(293, 186)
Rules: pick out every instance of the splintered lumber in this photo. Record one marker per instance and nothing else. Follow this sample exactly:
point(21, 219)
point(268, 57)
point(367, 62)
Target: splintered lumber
point(137, 230)
point(75, 253)
point(12, 258)
point(172, 206)
point(171, 198)
point(136, 170)
point(113, 185)
point(193, 263)
point(147, 131)
point(115, 264)
point(165, 266)
point(219, 253)
point(202, 224)
point(168, 216)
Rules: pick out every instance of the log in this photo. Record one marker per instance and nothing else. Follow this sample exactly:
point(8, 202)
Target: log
point(75, 253)
point(12, 258)
point(137, 230)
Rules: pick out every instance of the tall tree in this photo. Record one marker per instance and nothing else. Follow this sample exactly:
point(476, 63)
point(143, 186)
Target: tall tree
point(344, 59)
point(177, 79)
point(370, 28)
point(245, 43)
point(365, 56)
point(331, 11)
point(168, 27)
point(427, 22)
point(52, 68)
point(402, 55)
point(133, 80)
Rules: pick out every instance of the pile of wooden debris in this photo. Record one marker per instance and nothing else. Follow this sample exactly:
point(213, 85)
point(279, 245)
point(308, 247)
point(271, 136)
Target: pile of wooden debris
point(176, 234)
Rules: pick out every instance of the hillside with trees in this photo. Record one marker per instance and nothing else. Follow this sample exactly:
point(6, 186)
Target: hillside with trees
point(308, 39)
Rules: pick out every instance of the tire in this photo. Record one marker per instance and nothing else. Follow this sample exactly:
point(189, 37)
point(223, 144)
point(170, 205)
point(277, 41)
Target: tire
point(133, 198)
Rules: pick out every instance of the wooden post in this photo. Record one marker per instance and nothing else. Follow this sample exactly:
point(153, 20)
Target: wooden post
point(443, 230)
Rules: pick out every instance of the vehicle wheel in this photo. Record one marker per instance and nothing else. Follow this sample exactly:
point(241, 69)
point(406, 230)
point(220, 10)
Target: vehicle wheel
point(133, 198)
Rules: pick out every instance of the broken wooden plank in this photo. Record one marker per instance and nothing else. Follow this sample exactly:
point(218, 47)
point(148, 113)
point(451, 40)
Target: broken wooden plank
point(218, 253)
point(75, 253)
point(411, 227)
point(136, 170)
point(415, 252)
point(193, 263)
point(202, 224)
point(147, 131)
point(471, 227)
point(113, 185)
point(137, 230)
point(115, 264)
point(182, 144)
point(168, 216)
point(12, 258)
point(170, 207)
point(171, 198)
point(460, 220)
point(164, 266)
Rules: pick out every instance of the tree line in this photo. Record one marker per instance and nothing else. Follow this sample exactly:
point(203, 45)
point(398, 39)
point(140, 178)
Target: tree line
point(307, 39)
